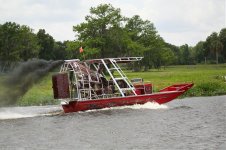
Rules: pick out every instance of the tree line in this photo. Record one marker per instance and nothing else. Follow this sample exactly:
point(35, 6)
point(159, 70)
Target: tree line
point(18, 43)
point(106, 33)
point(212, 50)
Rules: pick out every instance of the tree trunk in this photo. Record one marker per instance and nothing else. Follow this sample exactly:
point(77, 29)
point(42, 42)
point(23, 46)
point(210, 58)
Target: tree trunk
point(217, 57)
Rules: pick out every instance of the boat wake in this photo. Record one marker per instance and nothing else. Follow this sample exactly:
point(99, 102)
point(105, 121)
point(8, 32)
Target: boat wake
point(148, 105)
point(34, 111)
point(29, 111)
point(14, 115)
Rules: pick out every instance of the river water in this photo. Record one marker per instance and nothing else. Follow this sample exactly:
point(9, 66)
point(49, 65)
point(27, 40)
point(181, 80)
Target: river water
point(190, 123)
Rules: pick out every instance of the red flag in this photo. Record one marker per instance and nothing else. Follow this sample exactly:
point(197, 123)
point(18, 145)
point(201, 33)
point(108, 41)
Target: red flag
point(80, 50)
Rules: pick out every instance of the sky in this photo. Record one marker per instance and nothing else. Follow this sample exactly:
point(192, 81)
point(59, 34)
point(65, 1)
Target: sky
point(177, 21)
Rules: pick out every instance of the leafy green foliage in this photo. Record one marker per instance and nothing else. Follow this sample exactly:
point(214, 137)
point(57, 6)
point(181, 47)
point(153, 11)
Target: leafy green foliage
point(222, 37)
point(213, 46)
point(46, 43)
point(105, 33)
point(17, 42)
point(59, 51)
point(35, 96)
point(96, 33)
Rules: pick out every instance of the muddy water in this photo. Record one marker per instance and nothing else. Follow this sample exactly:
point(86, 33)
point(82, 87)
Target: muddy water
point(191, 123)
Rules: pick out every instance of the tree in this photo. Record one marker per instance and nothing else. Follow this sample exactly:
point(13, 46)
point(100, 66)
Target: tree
point(9, 37)
point(46, 43)
point(9, 49)
point(134, 27)
point(167, 57)
point(118, 42)
point(95, 32)
point(59, 51)
point(185, 57)
point(176, 51)
point(217, 47)
point(199, 52)
point(29, 44)
point(213, 45)
point(144, 34)
point(222, 37)
point(17, 43)
point(72, 48)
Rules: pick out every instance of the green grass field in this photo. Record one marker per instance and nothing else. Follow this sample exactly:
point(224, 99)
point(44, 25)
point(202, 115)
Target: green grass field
point(40, 94)
point(209, 80)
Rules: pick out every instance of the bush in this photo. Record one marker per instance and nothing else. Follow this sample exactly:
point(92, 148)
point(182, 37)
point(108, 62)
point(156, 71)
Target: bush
point(207, 89)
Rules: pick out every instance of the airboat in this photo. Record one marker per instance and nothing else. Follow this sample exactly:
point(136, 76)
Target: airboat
point(101, 83)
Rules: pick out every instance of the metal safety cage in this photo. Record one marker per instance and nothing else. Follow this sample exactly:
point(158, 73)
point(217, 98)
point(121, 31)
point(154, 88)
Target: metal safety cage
point(87, 79)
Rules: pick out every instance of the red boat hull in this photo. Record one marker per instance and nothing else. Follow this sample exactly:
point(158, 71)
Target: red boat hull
point(165, 95)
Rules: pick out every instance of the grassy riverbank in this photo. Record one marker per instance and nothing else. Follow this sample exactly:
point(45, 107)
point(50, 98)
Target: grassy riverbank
point(40, 94)
point(209, 80)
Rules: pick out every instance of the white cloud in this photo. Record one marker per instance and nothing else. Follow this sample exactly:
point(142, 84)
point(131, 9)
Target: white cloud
point(189, 21)
point(178, 21)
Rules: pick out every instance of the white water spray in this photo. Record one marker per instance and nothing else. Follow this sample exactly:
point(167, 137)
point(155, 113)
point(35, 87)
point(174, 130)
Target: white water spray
point(25, 112)
point(33, 111)
point(148, 105)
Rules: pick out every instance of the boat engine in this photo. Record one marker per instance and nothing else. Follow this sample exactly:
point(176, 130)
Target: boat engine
point(60, 86)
